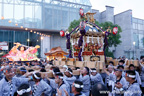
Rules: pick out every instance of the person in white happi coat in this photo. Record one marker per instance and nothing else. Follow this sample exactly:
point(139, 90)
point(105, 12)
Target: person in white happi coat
point(85, 78)
point(61, 84)
point(77, 88)
point(122, 62)
point(69, 78)
point(134, 87)
point(95, 77)
point(110, 78)
point(132, 67)
point(121, 84)
point(40, 87)
point(9, 84)
point(53, 84)
point(142, 74)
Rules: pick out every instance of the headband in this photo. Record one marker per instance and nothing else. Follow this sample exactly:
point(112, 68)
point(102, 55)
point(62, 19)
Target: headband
point(68, 71)
point(65, 66)
point(110, 66)
point(93, 71)
point(36, 76)
point(24, 91)
point(131, 76)
point(55, 72)
point(78, 86)
point(61, 77)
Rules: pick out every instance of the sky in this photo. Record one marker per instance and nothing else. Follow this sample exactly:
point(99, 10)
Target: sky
point(137, 6)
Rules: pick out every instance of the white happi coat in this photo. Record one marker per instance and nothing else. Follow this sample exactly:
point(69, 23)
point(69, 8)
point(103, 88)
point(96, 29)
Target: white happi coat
point(5, 87)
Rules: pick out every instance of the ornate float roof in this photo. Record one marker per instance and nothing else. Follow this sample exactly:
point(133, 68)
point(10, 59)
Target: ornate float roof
point(55, 51)
point(91, 30)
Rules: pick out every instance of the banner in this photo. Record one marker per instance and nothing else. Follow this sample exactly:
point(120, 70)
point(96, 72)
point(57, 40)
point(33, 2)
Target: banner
point(3, 46)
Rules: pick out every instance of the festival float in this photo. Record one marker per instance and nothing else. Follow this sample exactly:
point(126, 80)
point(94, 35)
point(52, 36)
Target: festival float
point(22, 52)
point(86, 43)
point(56, 53)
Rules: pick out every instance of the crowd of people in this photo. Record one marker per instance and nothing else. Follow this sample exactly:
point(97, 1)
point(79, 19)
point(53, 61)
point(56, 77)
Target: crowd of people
point(17, 80)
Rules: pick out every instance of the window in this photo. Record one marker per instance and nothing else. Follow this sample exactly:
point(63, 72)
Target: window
point(134, 20)
point(141, 40)
point(139, 26)
point(134, 26)
point(140, 21)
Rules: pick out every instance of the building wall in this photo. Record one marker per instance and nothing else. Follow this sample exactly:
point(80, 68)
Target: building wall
point(124, 21)
point(103, 17)
point(12, 37)
point(110, 14)
point(97, 15)
point(45, 46)
point(56, 40)
point(59, 17)
point(138, 35)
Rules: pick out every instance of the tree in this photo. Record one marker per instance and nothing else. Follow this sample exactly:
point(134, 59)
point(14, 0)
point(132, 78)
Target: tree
point(113, 40)
point(73, 24)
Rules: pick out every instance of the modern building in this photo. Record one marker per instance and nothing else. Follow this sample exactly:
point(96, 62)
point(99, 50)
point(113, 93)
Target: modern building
point(23, 21)
point(132, 35)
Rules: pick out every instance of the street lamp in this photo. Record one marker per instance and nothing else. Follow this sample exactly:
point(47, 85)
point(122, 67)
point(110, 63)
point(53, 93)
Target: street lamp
point(2, 17)
point(28, 40)
point(26, 28)
point(16, 24)
point(42, 38)
point(134, 43)
point(9, 21)
point(21, 26)
point(134, 49)
point(42, 45)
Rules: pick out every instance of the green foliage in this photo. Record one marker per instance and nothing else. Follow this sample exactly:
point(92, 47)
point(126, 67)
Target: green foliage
point(73, 24)
point(108, 53)
point(113, 40)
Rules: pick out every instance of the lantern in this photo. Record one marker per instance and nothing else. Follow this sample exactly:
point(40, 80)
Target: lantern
point(115, 30)
point(62, 34)
point(81, 12)
point(2, 17)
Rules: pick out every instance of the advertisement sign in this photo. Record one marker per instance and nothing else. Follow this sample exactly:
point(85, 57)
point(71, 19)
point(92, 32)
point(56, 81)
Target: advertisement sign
point(3, 46)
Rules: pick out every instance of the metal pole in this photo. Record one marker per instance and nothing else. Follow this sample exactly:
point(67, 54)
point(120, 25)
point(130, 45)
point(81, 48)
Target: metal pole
point(14, 19)
point(14, 37)
point(24, 14)
point(134, 51)
point(28, 38)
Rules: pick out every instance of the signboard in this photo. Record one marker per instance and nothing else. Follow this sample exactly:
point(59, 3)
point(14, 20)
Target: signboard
point(3, 46)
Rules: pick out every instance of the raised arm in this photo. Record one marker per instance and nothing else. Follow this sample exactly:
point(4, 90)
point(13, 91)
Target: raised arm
point(15, 47)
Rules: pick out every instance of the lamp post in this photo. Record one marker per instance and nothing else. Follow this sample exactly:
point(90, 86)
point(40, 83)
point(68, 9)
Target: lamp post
point(28, 40)
point(134, 49)
point(42, 45)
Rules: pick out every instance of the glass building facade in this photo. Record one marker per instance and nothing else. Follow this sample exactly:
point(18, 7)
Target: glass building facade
point(23, 37)
point(138, 35)
point(41, 14)
point(37, 14)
